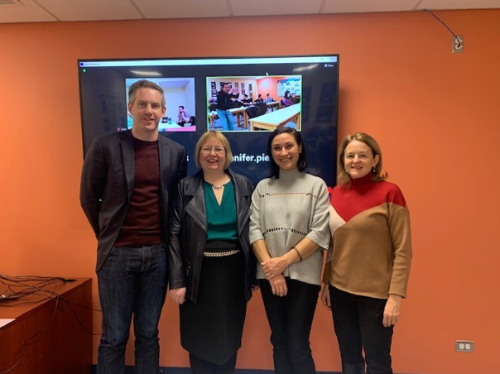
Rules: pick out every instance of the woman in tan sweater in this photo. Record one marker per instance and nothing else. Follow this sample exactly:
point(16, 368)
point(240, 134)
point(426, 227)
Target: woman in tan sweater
point(368, 274)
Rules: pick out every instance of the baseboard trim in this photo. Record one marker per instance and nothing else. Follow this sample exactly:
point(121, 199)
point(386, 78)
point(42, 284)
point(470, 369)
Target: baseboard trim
point(175, 370)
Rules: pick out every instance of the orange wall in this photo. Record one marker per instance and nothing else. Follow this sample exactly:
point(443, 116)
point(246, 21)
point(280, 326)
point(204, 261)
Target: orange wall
point(269, 86)
point(436, 115)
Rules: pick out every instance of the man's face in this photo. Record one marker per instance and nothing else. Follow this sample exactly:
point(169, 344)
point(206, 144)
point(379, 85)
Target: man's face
point(147, 112)
point(225, 88)
point(181, 109)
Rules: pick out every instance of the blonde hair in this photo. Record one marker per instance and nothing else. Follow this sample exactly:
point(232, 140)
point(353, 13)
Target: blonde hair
point(213, 134)
point(343, 178)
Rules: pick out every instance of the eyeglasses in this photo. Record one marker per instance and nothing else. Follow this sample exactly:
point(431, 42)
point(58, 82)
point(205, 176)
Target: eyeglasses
point(216, 150)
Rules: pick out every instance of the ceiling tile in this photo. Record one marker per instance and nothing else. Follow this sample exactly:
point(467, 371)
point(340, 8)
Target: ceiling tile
point(27, 11)
point(274, 7)
point(459, 4)
point(183, 8)
point(88, 10)
point(368, 6)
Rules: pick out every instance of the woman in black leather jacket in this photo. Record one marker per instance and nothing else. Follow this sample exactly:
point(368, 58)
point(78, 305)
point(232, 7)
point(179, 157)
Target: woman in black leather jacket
point(211, 266)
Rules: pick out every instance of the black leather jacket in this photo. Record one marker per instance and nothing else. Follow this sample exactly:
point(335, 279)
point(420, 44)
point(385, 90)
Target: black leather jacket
point(188, 233)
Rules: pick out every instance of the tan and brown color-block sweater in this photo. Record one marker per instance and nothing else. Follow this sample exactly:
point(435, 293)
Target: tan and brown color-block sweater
point(372, 250)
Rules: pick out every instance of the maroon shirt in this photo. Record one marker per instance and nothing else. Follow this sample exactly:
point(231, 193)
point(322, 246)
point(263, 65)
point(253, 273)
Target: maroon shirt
point(142, 224)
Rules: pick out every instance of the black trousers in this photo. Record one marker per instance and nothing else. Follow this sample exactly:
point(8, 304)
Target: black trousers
point(199, 366)
point(358, 326)
point(290, 318)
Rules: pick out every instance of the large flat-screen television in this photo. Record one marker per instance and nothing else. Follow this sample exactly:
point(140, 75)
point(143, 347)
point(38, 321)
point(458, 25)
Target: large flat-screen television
point(266, 93)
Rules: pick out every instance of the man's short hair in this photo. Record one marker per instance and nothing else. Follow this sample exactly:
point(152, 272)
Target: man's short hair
point(144, 83)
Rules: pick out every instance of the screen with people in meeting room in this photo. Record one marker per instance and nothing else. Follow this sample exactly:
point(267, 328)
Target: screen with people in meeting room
point(190, 84)
point(255, 103)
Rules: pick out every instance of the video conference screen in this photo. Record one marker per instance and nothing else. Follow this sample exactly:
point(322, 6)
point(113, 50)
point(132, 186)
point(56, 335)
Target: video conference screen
point(264, 93)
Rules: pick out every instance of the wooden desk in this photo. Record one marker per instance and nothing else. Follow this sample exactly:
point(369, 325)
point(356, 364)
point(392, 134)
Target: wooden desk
point(59, 343)
point(273, 103)
point(235, 111)
point(277, 118)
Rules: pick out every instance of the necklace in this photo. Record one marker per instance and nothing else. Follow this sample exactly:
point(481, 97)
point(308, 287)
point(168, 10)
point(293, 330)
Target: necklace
point(218, 187)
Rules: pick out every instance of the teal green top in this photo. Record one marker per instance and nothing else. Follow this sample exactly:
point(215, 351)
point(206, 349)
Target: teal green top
point(221, 219)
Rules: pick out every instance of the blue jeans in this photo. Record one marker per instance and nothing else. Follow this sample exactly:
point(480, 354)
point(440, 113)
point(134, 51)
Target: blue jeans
point(132, 282)
point(290, 318)
point(226, 119)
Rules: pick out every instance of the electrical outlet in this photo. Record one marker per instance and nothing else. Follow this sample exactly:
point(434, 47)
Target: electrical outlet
point(464, 346)
point(457, 44)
